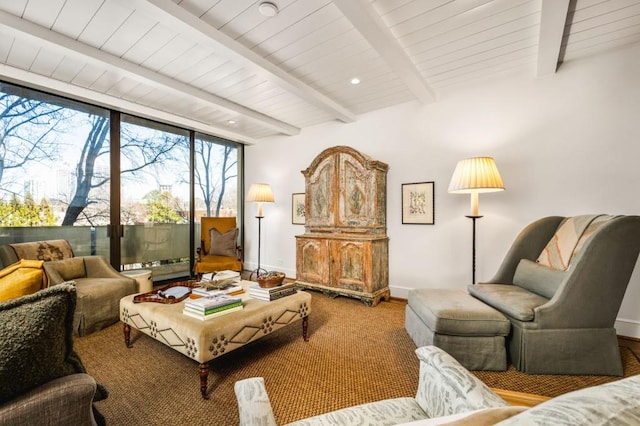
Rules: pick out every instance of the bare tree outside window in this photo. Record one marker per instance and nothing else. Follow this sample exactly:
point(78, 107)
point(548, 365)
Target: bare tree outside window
point(216, 169)
point(56, 172)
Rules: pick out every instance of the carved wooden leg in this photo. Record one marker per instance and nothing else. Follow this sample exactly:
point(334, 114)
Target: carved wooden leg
point(305, 328)
point(204, 376)
point(126, 328)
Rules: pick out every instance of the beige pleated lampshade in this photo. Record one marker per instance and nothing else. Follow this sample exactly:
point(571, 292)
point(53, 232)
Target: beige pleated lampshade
point(476, 175)
point(261, 193)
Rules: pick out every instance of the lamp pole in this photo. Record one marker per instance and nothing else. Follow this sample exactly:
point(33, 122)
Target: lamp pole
point(259, 193)
point(259, 269)
point(473, 248)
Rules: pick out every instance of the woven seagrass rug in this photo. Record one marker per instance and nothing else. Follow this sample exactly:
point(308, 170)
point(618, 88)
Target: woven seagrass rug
point(355, 355)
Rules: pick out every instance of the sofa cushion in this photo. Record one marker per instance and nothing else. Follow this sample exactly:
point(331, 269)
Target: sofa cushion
point(37, 340)
point(223, 244)
point(21, 278)
point(446, 387)
point(614, 403)
point(454, 312)
point(511, 300)
point(385, 412)
point(537, 278)
point(482, 417)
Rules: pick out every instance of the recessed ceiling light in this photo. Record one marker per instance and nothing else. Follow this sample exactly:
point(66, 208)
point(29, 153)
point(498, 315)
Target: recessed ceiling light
point(266, 8)
point(232, 122)
point(355, 80)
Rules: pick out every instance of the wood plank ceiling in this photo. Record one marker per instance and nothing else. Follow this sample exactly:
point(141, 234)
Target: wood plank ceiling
point(221, 67)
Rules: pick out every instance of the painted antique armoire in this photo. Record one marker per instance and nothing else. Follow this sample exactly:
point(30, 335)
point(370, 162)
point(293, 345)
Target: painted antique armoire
point(345, 250)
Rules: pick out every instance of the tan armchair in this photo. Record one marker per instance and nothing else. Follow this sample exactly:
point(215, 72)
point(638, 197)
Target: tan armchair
point(100, 288)
point(222, 252)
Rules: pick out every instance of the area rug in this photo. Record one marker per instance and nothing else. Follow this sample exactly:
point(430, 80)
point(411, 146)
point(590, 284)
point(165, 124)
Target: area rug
point(355, 354)
point(554, 385)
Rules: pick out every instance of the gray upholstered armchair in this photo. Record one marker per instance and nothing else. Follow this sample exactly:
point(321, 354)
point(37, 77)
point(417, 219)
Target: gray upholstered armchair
point(563, 319)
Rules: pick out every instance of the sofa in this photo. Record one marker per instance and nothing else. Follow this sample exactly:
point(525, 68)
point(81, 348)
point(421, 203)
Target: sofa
point(42, 379)
point(99, 286)
point(449, 394)
point(560, 287)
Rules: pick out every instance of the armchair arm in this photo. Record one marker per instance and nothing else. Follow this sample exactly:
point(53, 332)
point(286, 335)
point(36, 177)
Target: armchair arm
point(66, 400)
point(253, 403)
point(52, 273)
point(98, 267)
point(445, 387)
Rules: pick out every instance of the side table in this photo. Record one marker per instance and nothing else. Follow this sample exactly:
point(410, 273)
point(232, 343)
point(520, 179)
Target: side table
point(143, 277)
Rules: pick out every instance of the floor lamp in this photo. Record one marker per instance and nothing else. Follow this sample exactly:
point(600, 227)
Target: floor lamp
point(259, 193)
point(473, 176)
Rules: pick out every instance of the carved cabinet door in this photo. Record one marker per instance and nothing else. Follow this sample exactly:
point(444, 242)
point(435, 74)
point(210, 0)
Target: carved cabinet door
point(312, 260)
point(349, 260)
point(356, 201)
point(321, 194)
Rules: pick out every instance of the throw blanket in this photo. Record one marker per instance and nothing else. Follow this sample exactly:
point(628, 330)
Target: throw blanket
point(571, 233)
point(43, 250)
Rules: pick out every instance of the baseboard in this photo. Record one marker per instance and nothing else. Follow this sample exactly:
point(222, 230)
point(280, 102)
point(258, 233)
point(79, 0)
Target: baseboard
point(400, 292)
point(628, 328)
point(252, 266)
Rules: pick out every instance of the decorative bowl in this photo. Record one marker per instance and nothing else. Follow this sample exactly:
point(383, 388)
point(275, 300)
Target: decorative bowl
point(270, 279)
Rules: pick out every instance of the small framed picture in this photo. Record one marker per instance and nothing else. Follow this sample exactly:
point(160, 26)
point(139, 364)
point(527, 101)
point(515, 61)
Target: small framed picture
point(297, 209)
point(418, 203)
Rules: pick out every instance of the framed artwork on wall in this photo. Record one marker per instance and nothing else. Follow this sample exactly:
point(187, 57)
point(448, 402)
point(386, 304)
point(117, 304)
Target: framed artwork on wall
point(297, 208)
point(418, 203)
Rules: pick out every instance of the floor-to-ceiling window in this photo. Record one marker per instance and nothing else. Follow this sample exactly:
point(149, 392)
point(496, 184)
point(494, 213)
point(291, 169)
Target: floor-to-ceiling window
point(59, 159)
point(155, 197)
point(54, 170)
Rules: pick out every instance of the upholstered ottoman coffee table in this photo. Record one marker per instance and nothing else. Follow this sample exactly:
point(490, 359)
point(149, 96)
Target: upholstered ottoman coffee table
point(466, 328)
point(206, 340)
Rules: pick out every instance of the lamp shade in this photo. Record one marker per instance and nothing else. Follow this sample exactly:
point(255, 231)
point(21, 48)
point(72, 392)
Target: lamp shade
point(475, 175)
point(261, 193)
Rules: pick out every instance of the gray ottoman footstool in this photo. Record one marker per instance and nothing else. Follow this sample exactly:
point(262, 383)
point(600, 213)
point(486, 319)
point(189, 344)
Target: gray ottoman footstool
point(466, 328)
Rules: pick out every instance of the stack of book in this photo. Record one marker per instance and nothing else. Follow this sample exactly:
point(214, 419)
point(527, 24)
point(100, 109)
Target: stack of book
point(273, 293)
point(207, 307)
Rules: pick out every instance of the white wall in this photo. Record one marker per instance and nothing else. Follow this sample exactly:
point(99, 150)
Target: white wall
point(565, 145)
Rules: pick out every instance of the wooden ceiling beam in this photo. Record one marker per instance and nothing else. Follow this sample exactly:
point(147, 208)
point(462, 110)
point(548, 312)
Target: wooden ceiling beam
point(181, 20)
point(368, 22)
point(29, 30)
point(553, 17)
point(57, 87)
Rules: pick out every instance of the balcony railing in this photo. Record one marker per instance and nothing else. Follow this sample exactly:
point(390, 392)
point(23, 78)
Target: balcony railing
point(162, 248)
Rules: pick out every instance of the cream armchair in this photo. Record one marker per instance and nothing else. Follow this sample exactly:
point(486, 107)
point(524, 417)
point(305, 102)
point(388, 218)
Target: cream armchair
point(449, 394)
point(445, 388)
